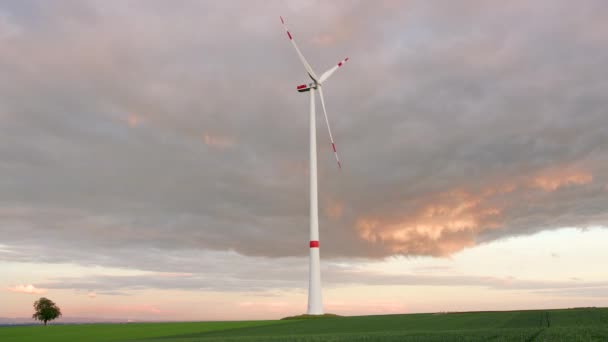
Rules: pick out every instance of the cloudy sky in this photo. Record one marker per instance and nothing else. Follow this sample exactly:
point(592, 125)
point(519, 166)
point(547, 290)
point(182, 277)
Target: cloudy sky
point(154, 157)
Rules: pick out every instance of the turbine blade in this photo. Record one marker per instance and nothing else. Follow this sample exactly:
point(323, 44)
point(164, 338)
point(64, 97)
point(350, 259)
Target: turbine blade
point(307, 66)
point(329, 72)
point(333, 145)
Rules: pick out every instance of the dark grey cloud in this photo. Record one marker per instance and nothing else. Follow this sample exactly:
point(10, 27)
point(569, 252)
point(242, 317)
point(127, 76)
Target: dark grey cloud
point(151, 126)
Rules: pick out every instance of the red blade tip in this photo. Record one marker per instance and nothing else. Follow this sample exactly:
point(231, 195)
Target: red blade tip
point(282, 21)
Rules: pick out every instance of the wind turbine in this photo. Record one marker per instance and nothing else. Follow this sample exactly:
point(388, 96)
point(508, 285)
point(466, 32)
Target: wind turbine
point(315, 303)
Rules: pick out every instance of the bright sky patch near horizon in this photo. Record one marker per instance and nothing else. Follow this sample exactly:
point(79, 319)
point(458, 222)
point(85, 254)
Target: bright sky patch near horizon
point(153, 157)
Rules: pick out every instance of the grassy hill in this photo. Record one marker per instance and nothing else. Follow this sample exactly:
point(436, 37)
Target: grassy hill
point(588, 324)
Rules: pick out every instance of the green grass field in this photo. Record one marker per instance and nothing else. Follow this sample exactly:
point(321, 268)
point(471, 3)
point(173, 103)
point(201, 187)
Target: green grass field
point(589, 324)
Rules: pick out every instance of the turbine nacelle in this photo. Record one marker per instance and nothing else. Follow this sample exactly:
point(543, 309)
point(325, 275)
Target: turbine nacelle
point(302, 88)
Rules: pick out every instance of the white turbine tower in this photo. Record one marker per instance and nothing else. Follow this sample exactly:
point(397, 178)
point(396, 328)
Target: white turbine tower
point(315, 303)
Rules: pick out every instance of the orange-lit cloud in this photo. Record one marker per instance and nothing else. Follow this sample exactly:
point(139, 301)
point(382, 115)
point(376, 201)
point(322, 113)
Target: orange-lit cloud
point(133, 120)
point(324, 39)
point(30, 289)
point(292, 168)
point(217, 140)
point(555, 179)
point(448, 222)
point(334, 209)
point(341, 30)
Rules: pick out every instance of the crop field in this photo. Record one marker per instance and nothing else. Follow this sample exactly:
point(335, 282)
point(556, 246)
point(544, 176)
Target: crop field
point(586, 324)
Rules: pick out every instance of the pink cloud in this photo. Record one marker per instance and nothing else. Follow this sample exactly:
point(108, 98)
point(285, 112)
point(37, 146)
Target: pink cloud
point(118, 310)
point(274, 307)
point(30, 289)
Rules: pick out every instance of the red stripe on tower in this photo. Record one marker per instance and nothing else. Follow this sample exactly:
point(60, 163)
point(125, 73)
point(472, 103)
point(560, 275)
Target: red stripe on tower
point(289, 35)
point(314, 244)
